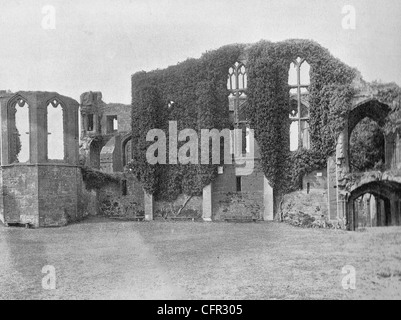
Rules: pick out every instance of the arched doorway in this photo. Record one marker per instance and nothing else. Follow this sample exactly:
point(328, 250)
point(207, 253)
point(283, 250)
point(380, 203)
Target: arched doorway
point(374, 204)
point(127, 149)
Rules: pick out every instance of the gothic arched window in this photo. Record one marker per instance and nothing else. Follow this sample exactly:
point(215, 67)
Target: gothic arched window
point(19, 137)
point(55, 131)
point(237, 84)
point(299, 80)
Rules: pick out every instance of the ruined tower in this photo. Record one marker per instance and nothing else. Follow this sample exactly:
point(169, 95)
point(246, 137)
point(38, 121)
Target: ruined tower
point(40, 175)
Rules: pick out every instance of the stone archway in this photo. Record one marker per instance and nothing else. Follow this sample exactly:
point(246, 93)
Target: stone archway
point(364, 108)
point(387, 199)
point(126, 149)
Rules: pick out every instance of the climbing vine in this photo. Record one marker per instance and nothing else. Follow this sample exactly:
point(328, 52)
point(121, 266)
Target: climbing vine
point(194, 93)
point(330, 94)
point(95, 179)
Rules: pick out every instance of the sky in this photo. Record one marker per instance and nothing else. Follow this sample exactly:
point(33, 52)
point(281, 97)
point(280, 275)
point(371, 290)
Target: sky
point(97, 44)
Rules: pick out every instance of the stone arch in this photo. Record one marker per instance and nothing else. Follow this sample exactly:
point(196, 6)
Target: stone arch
point(387, 192)
point(126, 147)
point(13, 134)
point(55, 102)
point(370, 108)
point(95, 147)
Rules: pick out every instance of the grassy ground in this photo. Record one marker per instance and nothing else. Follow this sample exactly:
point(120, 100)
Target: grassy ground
point(137, 260)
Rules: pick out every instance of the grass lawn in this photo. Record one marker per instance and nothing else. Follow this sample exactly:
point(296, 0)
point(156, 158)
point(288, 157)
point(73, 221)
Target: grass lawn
point(104, 259)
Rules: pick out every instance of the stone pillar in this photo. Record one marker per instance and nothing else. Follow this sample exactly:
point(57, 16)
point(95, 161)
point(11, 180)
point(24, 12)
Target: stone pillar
point(149, 204)
point(38, 131)
point(4, 122)
point(84, 124)
point(95, 123)
point(207, 203)
point(268, 201)
point(394, 210)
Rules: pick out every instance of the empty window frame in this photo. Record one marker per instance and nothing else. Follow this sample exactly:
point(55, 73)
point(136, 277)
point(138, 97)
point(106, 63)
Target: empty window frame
point(298, 80)
point(55, 131)
point(20, 145)
point(90, 118)
point(112, 124)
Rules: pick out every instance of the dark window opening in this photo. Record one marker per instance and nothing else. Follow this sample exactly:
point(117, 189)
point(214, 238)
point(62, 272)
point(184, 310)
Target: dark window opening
point(239, 184)
point(112, 125)
point(366, 146)
point(90, 122)
point(124, 187)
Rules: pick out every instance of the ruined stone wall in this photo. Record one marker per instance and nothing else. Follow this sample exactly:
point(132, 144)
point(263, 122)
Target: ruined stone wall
point(193, 207)
point(59, 187)
point(113, 202)
point(88, 202)
point(393, 151)
point(227, 202)
point(20, 194)
point(1, 197)
point(307, 210)
point(316, 180)
point(123, 113)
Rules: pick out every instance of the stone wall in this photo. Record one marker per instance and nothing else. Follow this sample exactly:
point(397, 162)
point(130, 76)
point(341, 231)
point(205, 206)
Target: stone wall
point(20, 194)
point(113, 201)
point(228, 202)
point(88, 202)
point(302, 209)
point(315, 180)
point(41, 195)
point(59, 187)
point(193, 207)
point(1, 197)
point(123, 113)
point(111, 156)
point(393, 151)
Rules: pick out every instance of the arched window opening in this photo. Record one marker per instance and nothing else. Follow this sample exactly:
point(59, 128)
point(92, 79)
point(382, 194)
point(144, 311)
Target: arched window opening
point(298, 81)
point(237, 84)
point(366, 147)
point(127, 149)
point(55, 131)
point(293, 75)
point(305, 74)
point(20, 133)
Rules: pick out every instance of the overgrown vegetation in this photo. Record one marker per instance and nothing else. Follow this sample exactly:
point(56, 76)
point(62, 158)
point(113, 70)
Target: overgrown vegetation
point(366, 146)
point(330, 98)
point(95, 179)
point(194, 93)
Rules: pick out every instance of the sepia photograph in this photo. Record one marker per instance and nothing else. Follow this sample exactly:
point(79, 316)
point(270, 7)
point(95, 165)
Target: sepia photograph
point(200, 155)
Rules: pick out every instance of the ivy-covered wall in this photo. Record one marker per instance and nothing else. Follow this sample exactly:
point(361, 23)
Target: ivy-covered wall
point(112, 195)
point(195, 94)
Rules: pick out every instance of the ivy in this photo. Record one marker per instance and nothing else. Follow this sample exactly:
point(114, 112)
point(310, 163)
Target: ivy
point(330, 95)
point(95, 179)
point(193, 93)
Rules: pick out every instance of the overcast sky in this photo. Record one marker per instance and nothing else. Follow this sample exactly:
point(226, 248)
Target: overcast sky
point(98, 44)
